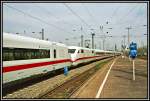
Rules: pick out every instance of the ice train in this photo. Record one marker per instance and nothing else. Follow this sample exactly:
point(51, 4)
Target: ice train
point(25, 56)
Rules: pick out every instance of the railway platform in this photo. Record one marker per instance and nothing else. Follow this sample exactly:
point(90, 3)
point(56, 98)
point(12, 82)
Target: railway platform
point(115, 80)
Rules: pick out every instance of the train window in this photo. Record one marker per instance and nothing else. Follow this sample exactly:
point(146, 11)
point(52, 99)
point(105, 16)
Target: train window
point(7, 54)
point(71, 50)
point(99, 53)
point(54, 53)
point(28, 54)
point(41, 53)
point(17, 54)
point(24, 54)
point(46, 53)
point(82, 51)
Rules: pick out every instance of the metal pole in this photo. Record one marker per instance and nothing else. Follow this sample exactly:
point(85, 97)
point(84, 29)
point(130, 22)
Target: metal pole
point(103, 44)
point(79, 44)
point(24, 32)
point(124, 40)
point(99, 45)
point(95, 46)
point(133, 70)
point(42, 34)
point(81, 37)
point(128, 39)
point(115, 47)
point(86, 44)
point(101, 29)
point(93, 40)
point(124, 44)
point(81, 40)
point(128, 36)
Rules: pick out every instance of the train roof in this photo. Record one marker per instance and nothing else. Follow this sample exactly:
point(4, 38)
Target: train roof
point(20, 38)
point(59, 44)
point(98, 50)
point(76, 47)
point(109, 51)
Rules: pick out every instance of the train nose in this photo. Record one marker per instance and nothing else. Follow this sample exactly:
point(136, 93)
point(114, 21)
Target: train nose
point(73, 57)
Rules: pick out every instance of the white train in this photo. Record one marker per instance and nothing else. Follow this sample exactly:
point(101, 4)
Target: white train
point(24, 56)
point(81, 55)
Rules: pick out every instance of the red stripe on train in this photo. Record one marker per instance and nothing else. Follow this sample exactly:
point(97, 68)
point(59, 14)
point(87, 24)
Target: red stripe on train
point(26, 66)
point(86, 58)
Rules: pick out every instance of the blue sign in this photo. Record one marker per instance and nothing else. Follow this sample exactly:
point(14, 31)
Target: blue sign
point(133, 50)
point(133, 46)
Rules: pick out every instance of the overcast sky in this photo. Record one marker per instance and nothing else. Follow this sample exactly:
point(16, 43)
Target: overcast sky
point(61, 21)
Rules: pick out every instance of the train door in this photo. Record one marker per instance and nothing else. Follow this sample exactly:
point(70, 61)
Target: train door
point(54, 53)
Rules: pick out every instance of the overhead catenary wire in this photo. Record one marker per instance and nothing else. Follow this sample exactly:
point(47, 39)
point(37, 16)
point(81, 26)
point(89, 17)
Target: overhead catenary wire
point(139, 7)
point(89, 13)
point(36, 18)
point(135, 19)
point(127, 14)
point(59, 18)
point(137, 16)
point(54, 16)
point(74, 13)
point(117, 36)
point(115, 12)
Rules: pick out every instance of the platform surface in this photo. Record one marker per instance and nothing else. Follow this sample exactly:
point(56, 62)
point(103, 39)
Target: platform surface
point(119, 83)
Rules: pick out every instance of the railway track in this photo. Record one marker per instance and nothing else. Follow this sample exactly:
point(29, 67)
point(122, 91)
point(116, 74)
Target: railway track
point(69, 87)
point(14, 86)
point(20, 84)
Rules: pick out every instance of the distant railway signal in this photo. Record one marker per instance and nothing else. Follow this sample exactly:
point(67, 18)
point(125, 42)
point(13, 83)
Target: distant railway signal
point(133, 50)
point(133, 55)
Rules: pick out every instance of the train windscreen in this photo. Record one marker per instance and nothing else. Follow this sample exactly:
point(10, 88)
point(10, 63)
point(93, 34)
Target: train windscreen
point(71, 51)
